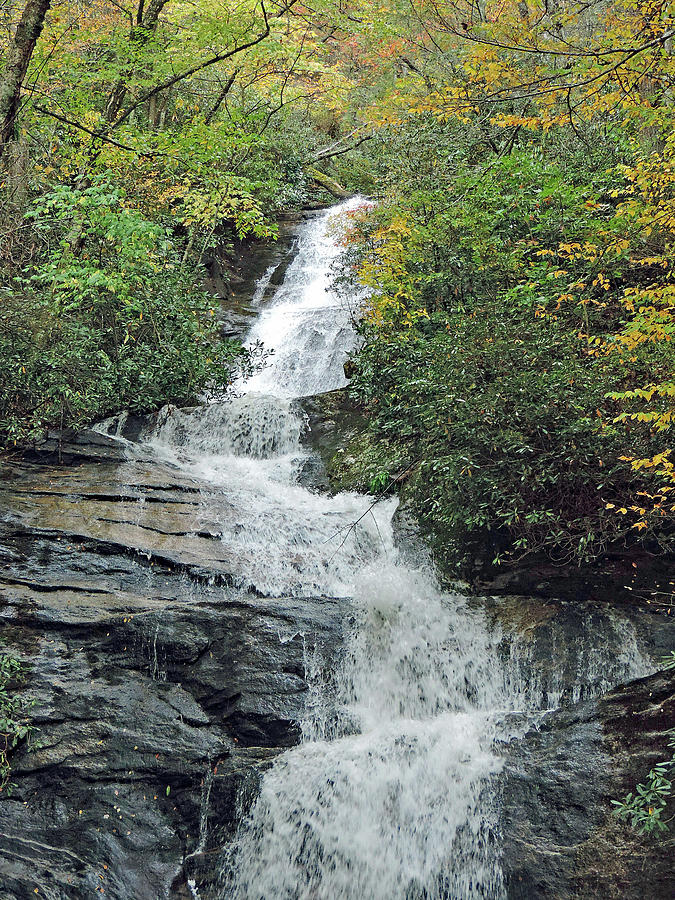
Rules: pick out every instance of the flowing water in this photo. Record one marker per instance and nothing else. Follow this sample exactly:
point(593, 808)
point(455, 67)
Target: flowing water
point(390, 794)
point(307, 326)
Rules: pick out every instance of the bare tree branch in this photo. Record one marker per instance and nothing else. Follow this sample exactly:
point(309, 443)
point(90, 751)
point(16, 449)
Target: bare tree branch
point(221, 96)
point(199, 67)
point(95, 134)
point(336, 150)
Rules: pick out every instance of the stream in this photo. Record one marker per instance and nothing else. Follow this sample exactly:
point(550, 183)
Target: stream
point(388, 794)
point(249, 688)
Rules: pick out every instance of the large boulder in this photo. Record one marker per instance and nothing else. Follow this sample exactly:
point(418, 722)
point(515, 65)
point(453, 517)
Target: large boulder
point(561, 839)
point(163, 686)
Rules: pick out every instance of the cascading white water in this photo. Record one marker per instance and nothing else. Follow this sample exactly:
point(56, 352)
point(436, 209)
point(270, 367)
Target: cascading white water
point(386, 802)
point(254, 426)
point(388, 796)
point(306, 325)
point(281, 537)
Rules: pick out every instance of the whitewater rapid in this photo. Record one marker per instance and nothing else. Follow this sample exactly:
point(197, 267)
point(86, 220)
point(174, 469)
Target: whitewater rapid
point(390, 795)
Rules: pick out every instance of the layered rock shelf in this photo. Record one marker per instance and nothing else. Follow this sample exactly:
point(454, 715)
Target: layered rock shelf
point(164, 685)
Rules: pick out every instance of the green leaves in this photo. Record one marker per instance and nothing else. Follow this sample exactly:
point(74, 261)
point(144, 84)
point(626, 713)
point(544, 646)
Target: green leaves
point(14, 724)
point(107, 319)
point(379, 483)
point(645, 807)
point(495, 388)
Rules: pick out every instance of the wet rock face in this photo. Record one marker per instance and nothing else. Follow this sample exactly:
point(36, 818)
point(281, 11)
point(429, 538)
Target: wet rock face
point(161, 690)
point(563, 652)
point(333, 420)
point(624, 576)
point(164, 688)
point(232, 274)
point(560, 839)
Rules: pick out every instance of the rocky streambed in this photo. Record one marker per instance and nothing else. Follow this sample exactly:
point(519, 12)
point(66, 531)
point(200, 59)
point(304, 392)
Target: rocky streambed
point(164, 685)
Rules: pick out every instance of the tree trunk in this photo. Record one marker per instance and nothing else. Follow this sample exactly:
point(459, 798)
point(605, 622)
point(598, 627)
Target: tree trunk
point(327, 183)
point(145, 27)
point(18, 58)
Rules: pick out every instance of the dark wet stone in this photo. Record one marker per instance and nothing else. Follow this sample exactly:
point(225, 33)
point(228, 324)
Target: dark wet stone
point(233, 273)
point(69, 446)
point(627, 576)
point(333, 420)
point(161, 691)
point(560, 838)
point(564, 651)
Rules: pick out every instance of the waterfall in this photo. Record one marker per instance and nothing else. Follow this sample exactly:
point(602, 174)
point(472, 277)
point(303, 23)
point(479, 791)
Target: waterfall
point(251, 426)
point(387, 801)
point(390, 795)
point(306, 326)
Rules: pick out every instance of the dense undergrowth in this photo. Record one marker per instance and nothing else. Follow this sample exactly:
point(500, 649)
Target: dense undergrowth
point(106, 318)
point(517, 360)
point(485, 377)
